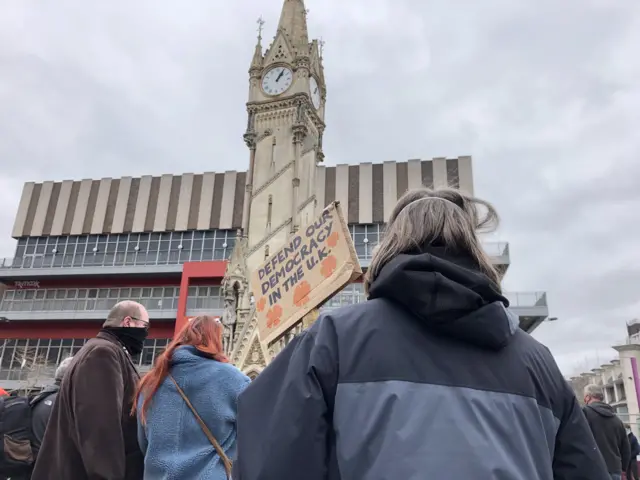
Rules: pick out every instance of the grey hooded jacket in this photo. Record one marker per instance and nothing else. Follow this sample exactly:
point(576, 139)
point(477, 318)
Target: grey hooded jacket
point(430, 378)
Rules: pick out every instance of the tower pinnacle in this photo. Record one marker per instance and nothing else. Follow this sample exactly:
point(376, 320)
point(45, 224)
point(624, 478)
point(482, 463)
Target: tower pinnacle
point(256, 62)
point(293, 21)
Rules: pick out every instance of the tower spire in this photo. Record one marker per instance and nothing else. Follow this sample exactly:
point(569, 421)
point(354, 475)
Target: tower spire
point(256, 62)
point(293, 22)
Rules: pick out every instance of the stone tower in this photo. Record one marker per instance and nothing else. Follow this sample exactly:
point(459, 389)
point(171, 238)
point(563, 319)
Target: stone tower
point(284, 134)
point(285, 125)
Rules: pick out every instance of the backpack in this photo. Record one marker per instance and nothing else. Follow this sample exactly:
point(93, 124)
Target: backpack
point(16, 453)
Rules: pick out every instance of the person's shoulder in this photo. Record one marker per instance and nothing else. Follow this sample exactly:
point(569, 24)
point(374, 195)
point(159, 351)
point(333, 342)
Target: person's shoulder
point(100, 346)
point(532, 349)
point(227, 375)
point(350, 315)
point(230, 370)
point(539, 360)
point(540, 364)
point(620, 425)
point(96, 350)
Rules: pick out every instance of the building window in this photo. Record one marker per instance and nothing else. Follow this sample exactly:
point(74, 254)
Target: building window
point(353, 293)
point(150, 352)
point(33, 362)
point(168, 248)
point(365, 238)
point(89, 299)
point(203, 300)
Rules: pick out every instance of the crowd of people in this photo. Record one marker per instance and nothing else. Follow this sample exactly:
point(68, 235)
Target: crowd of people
point(429, 378)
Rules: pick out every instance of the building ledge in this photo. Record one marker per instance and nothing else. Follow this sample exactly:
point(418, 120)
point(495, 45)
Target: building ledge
point(81, 315)
point(14, 270)
point(16, 274)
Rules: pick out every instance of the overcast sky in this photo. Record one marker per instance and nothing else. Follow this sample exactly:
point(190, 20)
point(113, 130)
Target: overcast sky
point(544, 94)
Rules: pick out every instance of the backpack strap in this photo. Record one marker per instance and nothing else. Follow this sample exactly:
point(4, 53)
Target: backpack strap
point(226, 462)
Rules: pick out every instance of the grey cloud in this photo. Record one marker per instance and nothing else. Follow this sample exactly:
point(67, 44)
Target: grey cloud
point(543, 94)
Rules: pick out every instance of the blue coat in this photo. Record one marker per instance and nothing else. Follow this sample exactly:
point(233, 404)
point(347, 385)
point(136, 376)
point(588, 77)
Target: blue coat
point(174, 445)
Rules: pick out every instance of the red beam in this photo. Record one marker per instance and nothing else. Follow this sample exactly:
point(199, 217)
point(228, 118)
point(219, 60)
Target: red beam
point(192, 272)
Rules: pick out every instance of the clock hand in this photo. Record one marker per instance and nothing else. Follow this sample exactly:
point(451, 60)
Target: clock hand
point(280, 76)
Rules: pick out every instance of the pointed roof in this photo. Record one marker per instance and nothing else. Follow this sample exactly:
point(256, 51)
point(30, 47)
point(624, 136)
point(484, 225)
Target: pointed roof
point(293, 21)
point(256, 62)
point(237, 266)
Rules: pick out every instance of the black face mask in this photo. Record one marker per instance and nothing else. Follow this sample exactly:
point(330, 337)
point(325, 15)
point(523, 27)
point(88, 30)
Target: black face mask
point(131, 337)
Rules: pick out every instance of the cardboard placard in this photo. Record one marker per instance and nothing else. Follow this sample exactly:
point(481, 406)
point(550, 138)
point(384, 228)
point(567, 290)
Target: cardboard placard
point(318, 261)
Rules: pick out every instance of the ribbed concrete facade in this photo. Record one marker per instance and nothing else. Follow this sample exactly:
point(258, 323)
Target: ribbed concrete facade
point(206, 201)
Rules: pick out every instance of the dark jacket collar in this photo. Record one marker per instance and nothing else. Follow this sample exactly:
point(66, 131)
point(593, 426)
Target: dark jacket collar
point(46, 391)
point(110, 337)
point(602, 409)
point(449, 294)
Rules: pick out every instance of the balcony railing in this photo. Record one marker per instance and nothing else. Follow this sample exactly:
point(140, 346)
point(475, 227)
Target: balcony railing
point(496, 249)
point(493, 249)
point(104, 260)
point(516, 299)
point(526, 299)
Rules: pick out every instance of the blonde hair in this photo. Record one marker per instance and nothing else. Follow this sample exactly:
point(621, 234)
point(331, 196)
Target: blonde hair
point(445, 217)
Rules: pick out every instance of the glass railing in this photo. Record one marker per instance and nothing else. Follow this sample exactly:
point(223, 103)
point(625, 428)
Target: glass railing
point(350, 296)
point(493, 249)
point(526, 299)
point(496, 249)
point(111, 260)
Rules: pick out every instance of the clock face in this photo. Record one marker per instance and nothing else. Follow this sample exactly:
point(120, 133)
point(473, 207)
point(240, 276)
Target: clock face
point(277, 80)
point(315, 92)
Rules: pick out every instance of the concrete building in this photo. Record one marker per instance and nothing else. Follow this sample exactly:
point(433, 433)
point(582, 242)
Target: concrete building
point(619, 378)
point(186, 244)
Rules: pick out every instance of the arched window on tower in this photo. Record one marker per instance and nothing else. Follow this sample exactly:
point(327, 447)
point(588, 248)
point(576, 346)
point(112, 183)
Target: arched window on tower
point(269, 213)
point(272, 164)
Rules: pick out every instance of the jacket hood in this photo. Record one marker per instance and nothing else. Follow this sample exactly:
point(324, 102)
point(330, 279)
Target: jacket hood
point(602, 409)
point(48, 390)
point(449, 294)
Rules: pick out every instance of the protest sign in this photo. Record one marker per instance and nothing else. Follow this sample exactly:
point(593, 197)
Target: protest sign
point(316, 262)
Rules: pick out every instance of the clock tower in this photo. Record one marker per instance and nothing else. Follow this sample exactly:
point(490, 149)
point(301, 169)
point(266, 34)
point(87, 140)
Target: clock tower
point(284, 134)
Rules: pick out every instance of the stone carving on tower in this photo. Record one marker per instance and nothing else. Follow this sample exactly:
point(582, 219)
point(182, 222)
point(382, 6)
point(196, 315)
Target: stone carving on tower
point(236, 295)
point(285, 125)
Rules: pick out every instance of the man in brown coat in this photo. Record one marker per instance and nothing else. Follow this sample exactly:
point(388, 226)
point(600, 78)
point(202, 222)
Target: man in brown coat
point(91, 434)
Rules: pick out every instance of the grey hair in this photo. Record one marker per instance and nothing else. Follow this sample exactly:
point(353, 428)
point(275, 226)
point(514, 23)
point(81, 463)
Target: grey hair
point(62, 368)
point(594, 391)
point(443, 217)
point(121, 310)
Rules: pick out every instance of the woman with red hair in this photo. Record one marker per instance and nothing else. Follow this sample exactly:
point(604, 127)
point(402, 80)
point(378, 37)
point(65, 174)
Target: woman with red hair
point(186, 406)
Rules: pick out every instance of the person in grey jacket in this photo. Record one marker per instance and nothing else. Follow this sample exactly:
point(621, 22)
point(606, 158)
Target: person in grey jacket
point(430, 378)
point(42, 404)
